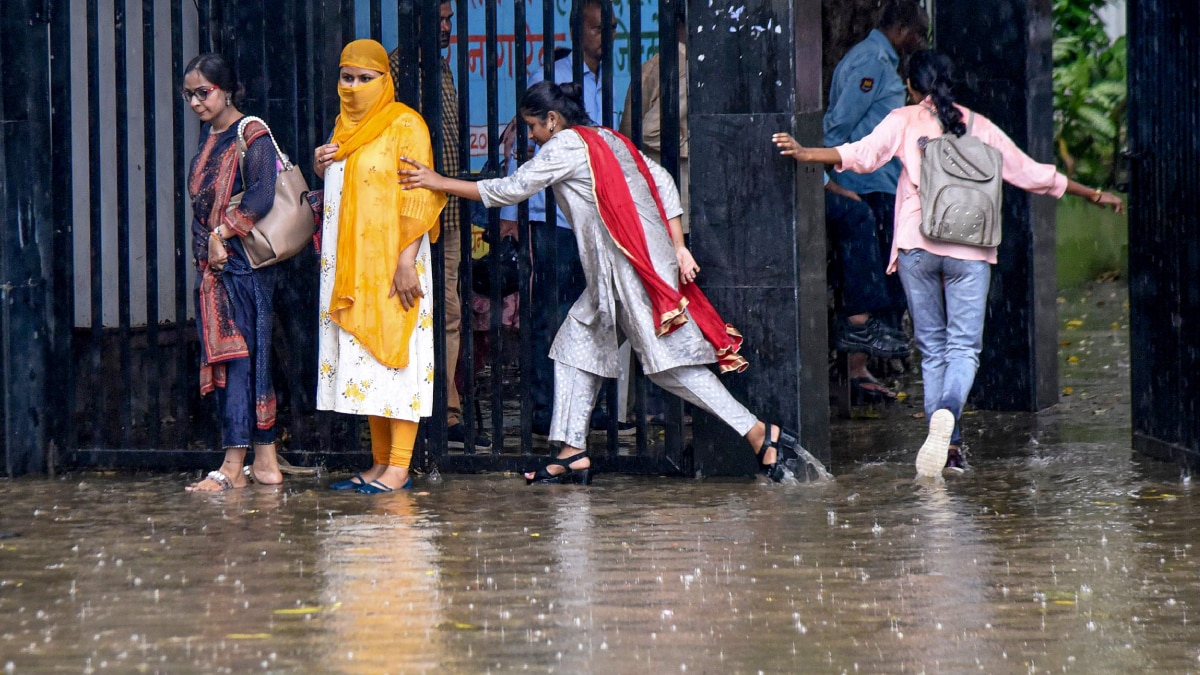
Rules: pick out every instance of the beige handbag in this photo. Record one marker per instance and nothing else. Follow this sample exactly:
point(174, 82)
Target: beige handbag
point(289, 226)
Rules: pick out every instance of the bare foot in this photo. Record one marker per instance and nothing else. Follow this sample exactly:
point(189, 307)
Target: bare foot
point(265, 468)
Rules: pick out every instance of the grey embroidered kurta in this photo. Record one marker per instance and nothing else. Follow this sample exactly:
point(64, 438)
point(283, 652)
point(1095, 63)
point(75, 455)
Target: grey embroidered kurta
point(615, 299)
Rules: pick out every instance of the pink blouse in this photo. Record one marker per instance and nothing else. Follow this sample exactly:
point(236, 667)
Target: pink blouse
point(898, 135)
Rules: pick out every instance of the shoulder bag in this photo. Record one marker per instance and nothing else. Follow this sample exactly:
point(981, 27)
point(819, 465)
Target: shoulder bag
point(289, 226)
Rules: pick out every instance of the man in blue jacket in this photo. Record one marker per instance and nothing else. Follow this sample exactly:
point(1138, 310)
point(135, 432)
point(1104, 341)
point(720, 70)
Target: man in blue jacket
point(866, 87)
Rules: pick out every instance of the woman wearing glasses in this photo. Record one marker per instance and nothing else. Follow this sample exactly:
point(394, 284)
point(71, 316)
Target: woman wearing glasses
point(234, 310)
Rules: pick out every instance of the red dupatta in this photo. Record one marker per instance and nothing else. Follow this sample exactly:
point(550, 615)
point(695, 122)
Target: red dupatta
point(624, 224)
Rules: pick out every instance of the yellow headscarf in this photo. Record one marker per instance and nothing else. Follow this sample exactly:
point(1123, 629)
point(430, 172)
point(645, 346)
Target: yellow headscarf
point(377, 218)
point(366, 109)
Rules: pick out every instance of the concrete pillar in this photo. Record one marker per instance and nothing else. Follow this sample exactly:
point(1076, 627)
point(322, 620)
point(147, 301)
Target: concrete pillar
point(1164, 228)
point(26, 206)
point(1003, 60)
point(758, 220)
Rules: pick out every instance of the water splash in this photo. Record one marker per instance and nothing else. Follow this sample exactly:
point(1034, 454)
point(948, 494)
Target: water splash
point(806, 467)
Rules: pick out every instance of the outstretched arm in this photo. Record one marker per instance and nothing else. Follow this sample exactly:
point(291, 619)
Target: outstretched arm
point(421, 176)
point(1096, 196)
point(790, 147)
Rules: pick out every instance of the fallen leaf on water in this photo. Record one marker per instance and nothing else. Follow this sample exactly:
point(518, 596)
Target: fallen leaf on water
point(900, 395)
point(1065, 343)
point(1067, 391)
point(1072, 359)
point(458, 625)
point(248, 636)
point(918, 416)
point(1074, 323)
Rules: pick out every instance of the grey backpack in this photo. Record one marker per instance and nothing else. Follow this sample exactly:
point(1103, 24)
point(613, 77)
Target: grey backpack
point(961, 188)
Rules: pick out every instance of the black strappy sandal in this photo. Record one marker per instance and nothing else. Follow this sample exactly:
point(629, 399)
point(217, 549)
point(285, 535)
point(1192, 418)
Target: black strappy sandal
point(785, 451)
point(577, 476)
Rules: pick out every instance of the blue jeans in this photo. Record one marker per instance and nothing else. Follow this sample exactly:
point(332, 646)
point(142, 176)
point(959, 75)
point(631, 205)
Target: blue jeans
point(947, 299)
point(858, 265)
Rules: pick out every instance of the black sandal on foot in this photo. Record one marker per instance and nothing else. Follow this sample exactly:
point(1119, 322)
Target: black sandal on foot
point(578, 476)
point(785, 451)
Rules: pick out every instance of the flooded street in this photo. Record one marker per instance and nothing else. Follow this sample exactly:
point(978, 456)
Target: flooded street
point(1060, 550)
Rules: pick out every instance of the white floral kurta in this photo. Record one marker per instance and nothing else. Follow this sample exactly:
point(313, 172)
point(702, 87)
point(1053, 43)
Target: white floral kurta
point(350, 380)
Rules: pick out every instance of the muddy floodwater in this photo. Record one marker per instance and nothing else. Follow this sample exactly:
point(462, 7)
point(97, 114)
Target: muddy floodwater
point(1059, 551)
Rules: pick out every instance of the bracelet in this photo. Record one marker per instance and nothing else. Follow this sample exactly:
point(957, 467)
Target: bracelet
point(1096, 197)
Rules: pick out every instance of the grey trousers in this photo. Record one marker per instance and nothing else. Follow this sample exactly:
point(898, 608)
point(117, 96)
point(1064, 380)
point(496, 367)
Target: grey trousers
point(575, 393)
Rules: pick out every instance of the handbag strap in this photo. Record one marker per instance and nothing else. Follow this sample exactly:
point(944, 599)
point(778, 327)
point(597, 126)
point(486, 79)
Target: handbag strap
point(241, 142)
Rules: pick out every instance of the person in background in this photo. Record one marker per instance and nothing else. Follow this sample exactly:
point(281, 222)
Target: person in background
point(234, 301)
point(651, 110)
point(451, 236)
point(859, 274)
point(866, 87)
point(558, 277)
point(624, 210)
point(376, 322)
point(946, 283)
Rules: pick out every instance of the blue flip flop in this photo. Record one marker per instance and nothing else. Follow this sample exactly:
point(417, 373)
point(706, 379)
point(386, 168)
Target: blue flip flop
point(376, 488)
point(349, 483)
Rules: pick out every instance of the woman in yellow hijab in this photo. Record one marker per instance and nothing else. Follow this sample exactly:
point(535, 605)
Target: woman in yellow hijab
point(376, 323)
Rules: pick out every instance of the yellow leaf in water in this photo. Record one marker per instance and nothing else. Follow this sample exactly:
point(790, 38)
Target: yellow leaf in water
point(1069, 603)
point(248, 636)
point(900, 395)
point(1105, 503)
point(295, 611)
point(1115, 325)
point(1065, 343)
point(1074, 323)
point(1067, 391)
point(1072, 359)
point(534, 534)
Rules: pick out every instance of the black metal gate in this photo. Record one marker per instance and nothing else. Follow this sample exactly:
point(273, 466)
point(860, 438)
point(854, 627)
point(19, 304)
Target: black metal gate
point(1164, 238)
point(125, 349)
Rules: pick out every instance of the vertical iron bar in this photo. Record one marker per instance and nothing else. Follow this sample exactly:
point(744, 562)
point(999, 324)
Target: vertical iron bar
point(637, 377)
point(121, 91)
point(606, 64)
point(493, 121)
point(577, 7)
point(467, 334)
point(62, 379)
point(150, 164)
point(182, 231)
point(668, 73)
point(376, 10)
point(524, 236)
point(635, 72)
point(429, 32)
point(96, 214)
point(612, 393)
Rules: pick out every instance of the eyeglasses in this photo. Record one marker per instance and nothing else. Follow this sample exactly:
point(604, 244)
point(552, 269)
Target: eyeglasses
point(201, 94)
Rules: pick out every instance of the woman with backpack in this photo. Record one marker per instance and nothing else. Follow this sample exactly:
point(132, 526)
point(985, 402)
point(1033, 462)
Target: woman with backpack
point(945, 282)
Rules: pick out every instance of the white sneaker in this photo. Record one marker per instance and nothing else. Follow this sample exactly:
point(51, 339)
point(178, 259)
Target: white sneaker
point(932, 456)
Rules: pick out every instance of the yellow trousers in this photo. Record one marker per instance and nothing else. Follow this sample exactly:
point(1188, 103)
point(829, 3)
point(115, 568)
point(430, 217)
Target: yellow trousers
point(392, 440)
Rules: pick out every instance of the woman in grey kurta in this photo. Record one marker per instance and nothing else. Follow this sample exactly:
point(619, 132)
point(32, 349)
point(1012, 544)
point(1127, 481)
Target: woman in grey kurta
point(616, 303)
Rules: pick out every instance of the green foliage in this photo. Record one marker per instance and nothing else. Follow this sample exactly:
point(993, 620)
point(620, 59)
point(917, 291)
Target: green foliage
point(1089, 93)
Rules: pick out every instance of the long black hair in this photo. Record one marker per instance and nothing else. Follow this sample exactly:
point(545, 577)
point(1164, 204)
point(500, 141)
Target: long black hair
point(565, 99)
point(931, 73)
point(217, 69)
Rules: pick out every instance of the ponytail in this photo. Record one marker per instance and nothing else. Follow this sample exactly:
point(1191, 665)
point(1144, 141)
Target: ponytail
point(930, 73)
point(567, 100)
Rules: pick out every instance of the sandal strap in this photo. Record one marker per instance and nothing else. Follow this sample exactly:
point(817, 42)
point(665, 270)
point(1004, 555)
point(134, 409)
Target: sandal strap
point(566, 462)
point(220, 479)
